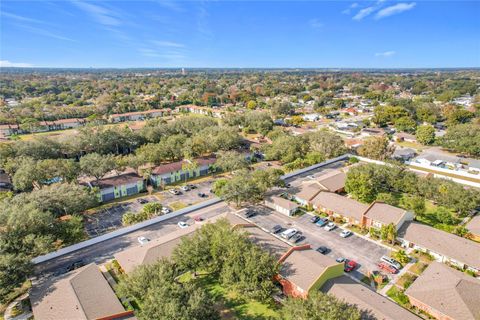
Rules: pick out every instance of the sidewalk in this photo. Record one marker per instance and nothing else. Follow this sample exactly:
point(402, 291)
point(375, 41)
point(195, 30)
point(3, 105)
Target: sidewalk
point(23, 316)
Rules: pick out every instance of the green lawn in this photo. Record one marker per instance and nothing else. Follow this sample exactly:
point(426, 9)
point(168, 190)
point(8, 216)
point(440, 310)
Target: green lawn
point(398, 296)
point(230, 304)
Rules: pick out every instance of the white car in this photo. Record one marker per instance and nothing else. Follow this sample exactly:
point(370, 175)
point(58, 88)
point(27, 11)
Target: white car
point(287, 234)
point(185, 188)
point(166, 210)
point(182, 224)
point(330, 226)
point(311, 176)
point(174, 191)
point(345, 233)
point(142, 240)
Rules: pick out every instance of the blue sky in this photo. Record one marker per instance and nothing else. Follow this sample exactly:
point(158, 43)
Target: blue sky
point(161, 33)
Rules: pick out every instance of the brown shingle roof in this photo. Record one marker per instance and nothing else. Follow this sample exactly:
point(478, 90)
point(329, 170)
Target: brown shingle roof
point(81, 294)
point(284, 203)
point(333, 181)
point(154, 250)
point(448, 291)
point(339, 204)
point(304, 267)
point(370, 302)
point(159, 248)
point(169, 167)
point(385, 213)
point(474, 225)
point(116, 181)
point(308, 191)
point(447, 244)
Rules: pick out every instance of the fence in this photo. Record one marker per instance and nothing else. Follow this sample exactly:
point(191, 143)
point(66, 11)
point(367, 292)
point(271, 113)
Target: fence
point(121, 232)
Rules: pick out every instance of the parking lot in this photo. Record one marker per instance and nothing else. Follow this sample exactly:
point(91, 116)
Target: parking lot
point(110, 218)
point(366, 253)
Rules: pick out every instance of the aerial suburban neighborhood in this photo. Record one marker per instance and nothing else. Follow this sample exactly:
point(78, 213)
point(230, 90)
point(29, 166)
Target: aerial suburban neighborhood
point(251, 160)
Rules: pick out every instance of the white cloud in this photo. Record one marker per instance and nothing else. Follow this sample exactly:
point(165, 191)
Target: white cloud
point(395, 9)
point(350, 7)
point(20, 18)
point(9, 64)
point(363, 13)
point(102, 15)
point(385, 54)
point(315, 23)
point(168, 44)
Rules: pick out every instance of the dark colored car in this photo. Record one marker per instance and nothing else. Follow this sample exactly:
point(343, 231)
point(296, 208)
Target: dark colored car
point(350, 265)
point(202, 195)
point(314, 219)
point(198, 218)
point(297, 237)
point(321, 222)
point(192, 186)
point(277, 228)
point(250, 213)
point(322, 250)
point(75, 265)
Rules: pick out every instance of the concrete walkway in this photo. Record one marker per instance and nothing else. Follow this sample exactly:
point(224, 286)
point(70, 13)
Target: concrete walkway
point(23, 316)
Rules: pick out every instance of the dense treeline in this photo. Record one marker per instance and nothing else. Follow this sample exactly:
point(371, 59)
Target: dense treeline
point(82, 94)
point(30, 227)
point(365, 182)
point(98, 150)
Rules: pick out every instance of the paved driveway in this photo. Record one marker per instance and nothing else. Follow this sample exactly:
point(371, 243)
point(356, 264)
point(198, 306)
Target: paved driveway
point(366, 253)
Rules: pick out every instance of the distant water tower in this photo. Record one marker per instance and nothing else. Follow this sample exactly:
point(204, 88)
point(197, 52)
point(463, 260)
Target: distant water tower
point(183, 71)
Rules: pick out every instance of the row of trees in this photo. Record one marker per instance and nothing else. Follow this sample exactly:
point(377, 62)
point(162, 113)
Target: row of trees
point(365, 182)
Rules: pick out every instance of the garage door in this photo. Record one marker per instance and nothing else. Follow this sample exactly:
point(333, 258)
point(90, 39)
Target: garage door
point(108, 196)
point(132, 190)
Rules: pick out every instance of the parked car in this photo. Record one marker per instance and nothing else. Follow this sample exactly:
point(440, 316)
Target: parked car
point(330, 226)
point(182, 224)
point(288, 185)
point(174, 191)
point(287, 234)
point(142, 201)
point(345, 233)
point(202, 195)
point(350, 265)
point(314, 219)
point(387, 267)
point(185, 188)
point(277, 228)
point(322, 250)
point(192, 186)
point(321, 222)
point(297, 237)
point(311, 176)
point(143, 240)
point(198, 218)
point(165, 210)
point(340, 259)
point(249, 214)
point(75, 265)
point(392, 262)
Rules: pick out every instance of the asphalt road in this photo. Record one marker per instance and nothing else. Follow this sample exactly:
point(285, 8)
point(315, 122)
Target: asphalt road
point(101, 252)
